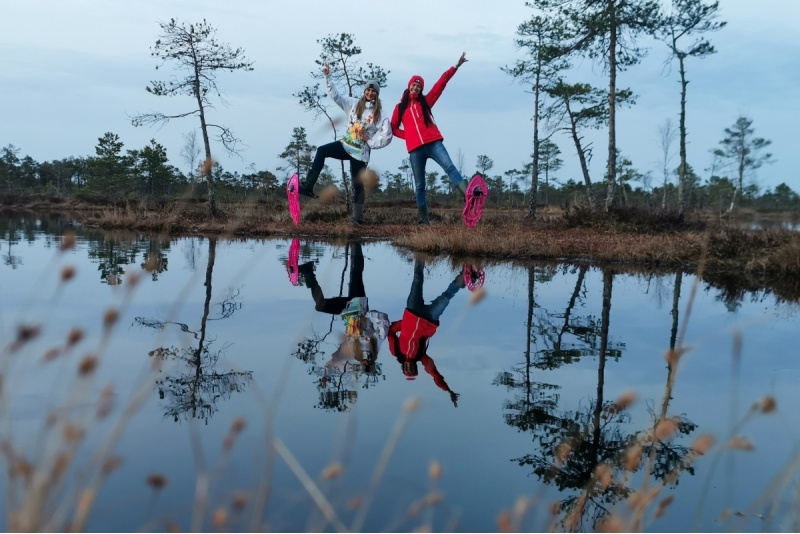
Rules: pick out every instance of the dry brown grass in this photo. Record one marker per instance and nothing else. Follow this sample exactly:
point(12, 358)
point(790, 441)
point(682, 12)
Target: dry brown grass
point(507, 234)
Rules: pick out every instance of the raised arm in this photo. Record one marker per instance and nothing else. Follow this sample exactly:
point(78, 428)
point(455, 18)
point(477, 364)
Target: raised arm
point(438, 87)
point(343, 101)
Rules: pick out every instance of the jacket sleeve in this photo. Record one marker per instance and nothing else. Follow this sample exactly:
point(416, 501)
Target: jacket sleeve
point(343, 101)
point(396, 130)
point(394, 330)
point(383, 136)
point(438, 87)
point(430, 368)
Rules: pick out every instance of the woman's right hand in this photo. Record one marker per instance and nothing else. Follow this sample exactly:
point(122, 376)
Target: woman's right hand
point(326, 69)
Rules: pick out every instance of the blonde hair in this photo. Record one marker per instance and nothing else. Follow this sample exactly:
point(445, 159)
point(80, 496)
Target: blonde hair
point(362, 104)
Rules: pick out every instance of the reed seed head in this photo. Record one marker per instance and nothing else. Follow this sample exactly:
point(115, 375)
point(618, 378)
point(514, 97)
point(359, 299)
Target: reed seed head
point(703, 443)
point(504, 521)
point(611, 524)
point(369, 178)
point(355, 503)
point(67, 241)
point(52, 354)
point(73, 433)
point(219, 517)
point(106, 402)
point(132, 279)
point(633, 457)
point(332, 471)
point(624, 401)
point(26, 333)
point(478, 295)
point(240, 500)
point(767, 404)
point(208, 164)
point(741, 443)
point(156, 481)
point(74, 337)
point(603, 475)
point(662, 506)
point(68, 273)
point(435, 471)
point(111, 465)
point(110, 317)
point(87, 365)
point(329, 194)
point(666, 429)
point(411, 405)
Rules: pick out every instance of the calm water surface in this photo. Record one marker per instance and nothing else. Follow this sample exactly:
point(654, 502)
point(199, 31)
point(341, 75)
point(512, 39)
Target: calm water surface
point(504, 382)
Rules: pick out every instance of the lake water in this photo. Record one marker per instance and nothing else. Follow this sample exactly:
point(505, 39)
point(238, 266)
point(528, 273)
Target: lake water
point(216, 333)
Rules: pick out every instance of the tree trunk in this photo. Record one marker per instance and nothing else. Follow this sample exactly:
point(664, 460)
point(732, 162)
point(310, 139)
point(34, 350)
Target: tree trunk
point(207, 166)
point(682, 127)
point(612, 115)
point(535, 166)
point(608, 280)
point(581, 156)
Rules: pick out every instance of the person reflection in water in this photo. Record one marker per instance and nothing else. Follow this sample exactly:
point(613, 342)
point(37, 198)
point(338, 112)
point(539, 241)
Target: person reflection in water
point(408, 337)
point(364, 328)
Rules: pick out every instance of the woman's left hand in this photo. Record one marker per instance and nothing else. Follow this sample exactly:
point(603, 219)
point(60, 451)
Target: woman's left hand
point(462, 59)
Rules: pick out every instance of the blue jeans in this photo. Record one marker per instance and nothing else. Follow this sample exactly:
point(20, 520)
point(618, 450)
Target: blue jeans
point(416, 303)
point(438, 153)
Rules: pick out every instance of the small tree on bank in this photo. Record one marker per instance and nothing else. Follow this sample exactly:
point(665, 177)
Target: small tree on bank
point(195, 51)
point(743, 151)
point(298, 154)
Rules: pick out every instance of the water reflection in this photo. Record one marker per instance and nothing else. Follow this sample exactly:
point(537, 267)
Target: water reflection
point(553, 425)
point(192, 386)
point(354, 361)
point(592, 452)
point(409, 337)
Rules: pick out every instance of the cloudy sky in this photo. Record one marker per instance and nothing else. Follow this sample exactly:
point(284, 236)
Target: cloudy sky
point(71, 70)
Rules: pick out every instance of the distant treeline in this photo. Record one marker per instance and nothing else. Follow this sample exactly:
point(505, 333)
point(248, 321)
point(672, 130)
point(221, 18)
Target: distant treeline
point(115, 174)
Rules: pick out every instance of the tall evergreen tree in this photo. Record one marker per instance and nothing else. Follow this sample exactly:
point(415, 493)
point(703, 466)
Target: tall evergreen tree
point(688, 19)
point(607, 31)
point(542, 39)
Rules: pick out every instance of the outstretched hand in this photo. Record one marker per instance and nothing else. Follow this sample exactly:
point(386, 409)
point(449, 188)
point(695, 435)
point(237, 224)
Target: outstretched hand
point(454, 397)
point(462, 59)
point(326, 69)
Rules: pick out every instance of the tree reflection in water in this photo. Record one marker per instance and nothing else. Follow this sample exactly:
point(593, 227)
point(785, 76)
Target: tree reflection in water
point(194, 386)
point(588, 452)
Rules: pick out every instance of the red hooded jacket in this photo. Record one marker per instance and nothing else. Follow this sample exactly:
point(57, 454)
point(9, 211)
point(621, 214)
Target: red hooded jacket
point(414, 130)
point(412, 343)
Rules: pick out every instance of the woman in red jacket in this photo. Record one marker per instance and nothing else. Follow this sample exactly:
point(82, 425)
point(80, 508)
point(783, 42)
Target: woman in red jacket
point(408, 338)
point(412, 120)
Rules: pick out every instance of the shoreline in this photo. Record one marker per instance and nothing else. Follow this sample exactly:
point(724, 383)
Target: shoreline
point(765, 258)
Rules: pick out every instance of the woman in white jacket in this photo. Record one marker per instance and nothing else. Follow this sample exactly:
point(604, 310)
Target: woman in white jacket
point(368, 127)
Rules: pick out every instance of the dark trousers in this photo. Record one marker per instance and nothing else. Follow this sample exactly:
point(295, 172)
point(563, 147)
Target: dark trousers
point(335, 305)
point(336, 150)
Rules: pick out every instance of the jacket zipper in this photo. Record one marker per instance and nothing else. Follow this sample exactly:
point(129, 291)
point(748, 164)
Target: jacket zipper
point(416, 124)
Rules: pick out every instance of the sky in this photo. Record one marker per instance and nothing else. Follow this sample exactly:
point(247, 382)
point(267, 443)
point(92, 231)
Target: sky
point(71, 70)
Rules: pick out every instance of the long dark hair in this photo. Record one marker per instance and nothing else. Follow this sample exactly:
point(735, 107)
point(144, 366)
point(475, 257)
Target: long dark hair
point(427, 116)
